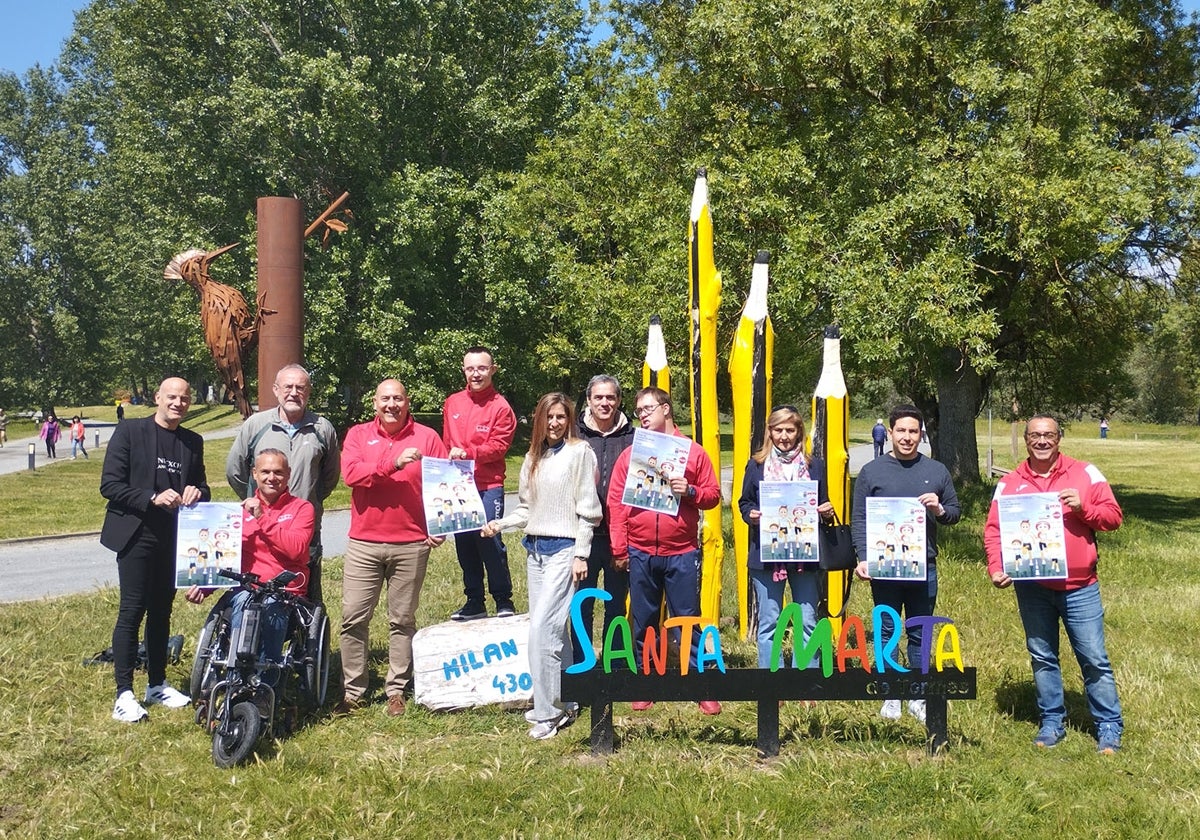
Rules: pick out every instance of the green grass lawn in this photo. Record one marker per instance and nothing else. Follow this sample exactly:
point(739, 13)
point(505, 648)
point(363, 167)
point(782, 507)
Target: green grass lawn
point(67, 770)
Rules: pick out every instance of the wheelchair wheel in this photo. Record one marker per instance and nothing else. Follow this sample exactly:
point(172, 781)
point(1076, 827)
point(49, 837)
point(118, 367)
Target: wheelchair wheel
point(316, 660)
point(232, 745)
point(210, 651)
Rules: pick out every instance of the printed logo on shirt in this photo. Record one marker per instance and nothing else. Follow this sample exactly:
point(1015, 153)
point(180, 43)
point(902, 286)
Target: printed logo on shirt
point(483, 429)
point(372, 442)
point(171, 467)
point(285, 517)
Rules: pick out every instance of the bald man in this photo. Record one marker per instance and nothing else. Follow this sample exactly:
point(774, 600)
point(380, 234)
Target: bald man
point(389, 543)
point(152, 467)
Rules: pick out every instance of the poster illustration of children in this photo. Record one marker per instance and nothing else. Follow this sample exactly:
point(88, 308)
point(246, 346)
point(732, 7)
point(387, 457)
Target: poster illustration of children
point(786, 511)
point(898, 525)
point(451, 501)
point(655, 457)
point(198, 555)
point(1032, 539)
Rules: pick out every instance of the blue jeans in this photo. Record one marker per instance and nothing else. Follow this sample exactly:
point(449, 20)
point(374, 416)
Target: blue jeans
point(272, 628)
point(616, 583)
point(910, 599)
point(650, 577)
point(477, 553)
point(1082, 615)
point(768, 592)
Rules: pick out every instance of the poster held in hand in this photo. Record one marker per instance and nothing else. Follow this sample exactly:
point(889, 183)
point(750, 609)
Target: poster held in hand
point(208, 538)
point(895, 538)
point(452, 503)
point(1031, 536)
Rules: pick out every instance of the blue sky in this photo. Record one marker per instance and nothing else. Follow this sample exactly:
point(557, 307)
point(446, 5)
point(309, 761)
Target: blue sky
point(33, 31)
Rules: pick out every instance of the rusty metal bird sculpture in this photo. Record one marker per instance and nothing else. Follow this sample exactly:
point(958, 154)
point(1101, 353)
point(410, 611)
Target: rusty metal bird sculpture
point(230, 331)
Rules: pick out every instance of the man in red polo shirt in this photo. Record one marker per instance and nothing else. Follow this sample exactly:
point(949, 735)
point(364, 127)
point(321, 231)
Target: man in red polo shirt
point(389, 542)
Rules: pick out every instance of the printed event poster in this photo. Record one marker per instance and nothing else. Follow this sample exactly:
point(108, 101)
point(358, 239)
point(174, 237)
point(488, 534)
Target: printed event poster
point(452, 504)
point(895, 538)
point(656, 459)
point(208, 537)
point(1031, 536)
point(788, 527)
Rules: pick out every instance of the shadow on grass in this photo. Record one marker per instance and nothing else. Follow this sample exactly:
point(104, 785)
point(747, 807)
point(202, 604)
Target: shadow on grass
point(1158, 508)
point(1015, 698)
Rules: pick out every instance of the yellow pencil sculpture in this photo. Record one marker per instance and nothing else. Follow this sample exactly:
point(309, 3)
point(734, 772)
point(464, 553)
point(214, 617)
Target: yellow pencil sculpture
point(751, 375)
point(655, 371)
point(831, 443)
point(704, 298)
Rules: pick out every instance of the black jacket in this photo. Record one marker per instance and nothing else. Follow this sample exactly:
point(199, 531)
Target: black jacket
point(130, 468)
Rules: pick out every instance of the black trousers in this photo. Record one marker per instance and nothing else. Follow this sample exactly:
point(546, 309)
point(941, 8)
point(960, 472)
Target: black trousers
point(146, 573)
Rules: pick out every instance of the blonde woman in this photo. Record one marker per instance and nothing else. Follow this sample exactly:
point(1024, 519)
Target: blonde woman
point(558, 509)
point(781, 458)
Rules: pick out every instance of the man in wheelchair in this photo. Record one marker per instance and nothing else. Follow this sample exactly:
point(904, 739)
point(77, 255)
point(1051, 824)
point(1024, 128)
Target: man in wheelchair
point(277, 528)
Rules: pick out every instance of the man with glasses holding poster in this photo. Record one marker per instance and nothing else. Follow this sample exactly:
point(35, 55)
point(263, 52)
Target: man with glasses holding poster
point(662, 550)
point(1088, 506)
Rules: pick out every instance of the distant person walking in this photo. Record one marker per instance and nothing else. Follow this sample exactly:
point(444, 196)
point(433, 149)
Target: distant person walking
point(3, 428)
point(120, 411)
point(50, 433)
point(78, 433)
point(1103, 428)
point(879, 437)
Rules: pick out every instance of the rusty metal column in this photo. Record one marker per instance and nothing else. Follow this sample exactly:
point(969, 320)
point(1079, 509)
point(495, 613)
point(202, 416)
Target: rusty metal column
point(280, 288)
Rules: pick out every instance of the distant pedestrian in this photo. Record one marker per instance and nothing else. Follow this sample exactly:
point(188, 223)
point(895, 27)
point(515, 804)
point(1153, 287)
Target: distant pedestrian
point(50, 433)
point(120, 411)
point(1103, 428)
point(879, 437)
point(3, 428)
point(78, 434)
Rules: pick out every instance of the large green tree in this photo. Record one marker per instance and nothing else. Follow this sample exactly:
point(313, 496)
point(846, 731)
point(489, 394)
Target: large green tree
point(966, 186)
point(184, 115)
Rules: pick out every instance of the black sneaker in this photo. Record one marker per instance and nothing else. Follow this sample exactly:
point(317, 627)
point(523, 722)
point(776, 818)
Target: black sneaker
point(505, 609)
point(469, 612)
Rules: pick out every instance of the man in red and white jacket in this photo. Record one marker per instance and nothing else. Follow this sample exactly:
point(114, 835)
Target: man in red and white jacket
point(389, 542)
point(1088, 506)
point(478, 425)
point(277, 528)
point(662, 551)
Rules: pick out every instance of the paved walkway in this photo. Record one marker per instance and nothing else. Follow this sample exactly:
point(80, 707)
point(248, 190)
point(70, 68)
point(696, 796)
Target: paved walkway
point(49, 567)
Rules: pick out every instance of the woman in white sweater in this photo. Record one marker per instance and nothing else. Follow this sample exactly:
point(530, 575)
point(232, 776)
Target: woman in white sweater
point(558, 509)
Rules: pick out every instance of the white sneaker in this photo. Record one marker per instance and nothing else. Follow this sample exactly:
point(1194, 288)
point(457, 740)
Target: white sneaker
point(127, 709)
point(167, 696)
point(546, 729)
point(916, 708)
point(570, 710)
point(890, 710)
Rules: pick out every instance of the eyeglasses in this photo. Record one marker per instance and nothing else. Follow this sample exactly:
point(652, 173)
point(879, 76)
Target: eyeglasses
point(646, 410)
point(1041, 436)
point(479, 369)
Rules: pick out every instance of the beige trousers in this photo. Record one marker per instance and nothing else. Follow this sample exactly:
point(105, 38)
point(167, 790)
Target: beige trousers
point(368, 565)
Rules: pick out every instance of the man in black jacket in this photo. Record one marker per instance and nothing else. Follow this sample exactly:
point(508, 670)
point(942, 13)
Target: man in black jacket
point(152, 467)
point(608, 431)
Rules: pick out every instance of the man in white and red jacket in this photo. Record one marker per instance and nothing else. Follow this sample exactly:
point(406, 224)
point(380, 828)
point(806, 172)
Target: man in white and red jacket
point(660, 550)
point(1088, 506)
point(478, 425)
point(277, 528)
point(388, 543)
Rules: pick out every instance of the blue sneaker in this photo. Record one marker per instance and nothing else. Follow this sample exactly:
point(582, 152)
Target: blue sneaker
point(1108, 739)
point(1049, 736)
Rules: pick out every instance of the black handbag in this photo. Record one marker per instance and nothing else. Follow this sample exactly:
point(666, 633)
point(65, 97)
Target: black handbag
point(837, 549)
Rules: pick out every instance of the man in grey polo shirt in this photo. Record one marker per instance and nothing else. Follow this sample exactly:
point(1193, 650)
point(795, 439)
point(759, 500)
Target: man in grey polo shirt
point(310, 443)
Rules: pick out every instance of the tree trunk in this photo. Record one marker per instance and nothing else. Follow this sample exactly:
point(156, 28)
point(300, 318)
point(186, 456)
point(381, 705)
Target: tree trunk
point(959, 391)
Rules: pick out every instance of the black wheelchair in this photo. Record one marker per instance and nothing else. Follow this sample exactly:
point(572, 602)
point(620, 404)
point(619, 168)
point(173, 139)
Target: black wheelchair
point(232, 699)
